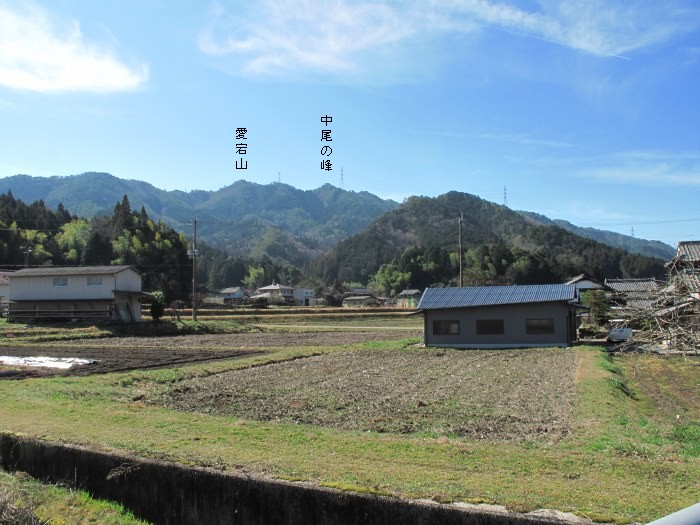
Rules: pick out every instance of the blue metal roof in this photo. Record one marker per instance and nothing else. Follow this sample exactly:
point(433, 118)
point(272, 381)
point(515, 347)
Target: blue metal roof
point(439, 298)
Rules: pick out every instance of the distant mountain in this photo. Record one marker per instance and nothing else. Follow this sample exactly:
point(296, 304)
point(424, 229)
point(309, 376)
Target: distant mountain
point(278, 220)
point(528, 248)
point(618, 240)
point(296, 226)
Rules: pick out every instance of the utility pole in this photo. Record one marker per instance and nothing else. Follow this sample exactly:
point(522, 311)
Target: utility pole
point(193, 253)
point(27, 250)
point(461, 252)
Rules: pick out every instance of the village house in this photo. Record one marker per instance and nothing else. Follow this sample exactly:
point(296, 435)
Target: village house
point(585, 283)
point(72, 293)
point(359, 301)
point(275, 293)
point(281, 294)
point(500, 316)
point(685, 271)
point(304, 297)
point(408, 298)
point(631, 294)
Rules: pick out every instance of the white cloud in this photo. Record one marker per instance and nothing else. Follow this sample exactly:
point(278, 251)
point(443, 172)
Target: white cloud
point(340, 36)
point(38, 53)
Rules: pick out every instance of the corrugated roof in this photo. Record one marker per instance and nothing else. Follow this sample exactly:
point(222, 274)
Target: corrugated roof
point(690, 250)
point(633, 285)
point(70, 270)
point(438, 298)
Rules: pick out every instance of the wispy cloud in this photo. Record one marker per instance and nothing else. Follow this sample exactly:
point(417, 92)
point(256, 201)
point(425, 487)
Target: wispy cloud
point(278, 35)
point(648, 168)
point(343, 36)
point(41, 53)
point(599, 27)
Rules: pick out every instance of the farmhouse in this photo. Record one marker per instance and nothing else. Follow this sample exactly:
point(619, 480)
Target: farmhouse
point(499, 316)
point(408, 298)
point(688, 254)
point(631, 294)
point(585, 282)
point(277, 293)
point(80, 292)
point(359, 301)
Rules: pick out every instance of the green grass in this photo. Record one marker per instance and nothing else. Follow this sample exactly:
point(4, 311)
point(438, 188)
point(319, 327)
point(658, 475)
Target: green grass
point(621, 449)
point(56, 505)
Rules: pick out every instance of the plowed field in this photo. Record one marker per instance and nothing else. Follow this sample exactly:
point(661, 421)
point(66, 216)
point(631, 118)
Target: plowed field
point(120, 354)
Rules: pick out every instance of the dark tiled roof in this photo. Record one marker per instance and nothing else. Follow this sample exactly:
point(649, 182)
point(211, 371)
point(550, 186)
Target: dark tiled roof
point(70, 270)
point(633, 285)
point(690, 250)
point(438, 298)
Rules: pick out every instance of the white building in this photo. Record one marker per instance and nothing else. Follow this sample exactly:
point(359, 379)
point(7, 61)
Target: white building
point(79, 292)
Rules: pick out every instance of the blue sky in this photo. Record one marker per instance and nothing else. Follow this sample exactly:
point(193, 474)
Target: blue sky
point(582, 110)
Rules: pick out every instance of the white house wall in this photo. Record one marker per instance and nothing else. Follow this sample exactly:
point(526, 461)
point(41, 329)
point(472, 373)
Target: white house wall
point(128, 281)
point(41, 288)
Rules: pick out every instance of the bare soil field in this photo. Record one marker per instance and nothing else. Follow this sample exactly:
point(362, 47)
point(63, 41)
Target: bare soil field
point(496, 395)
point(119, 354)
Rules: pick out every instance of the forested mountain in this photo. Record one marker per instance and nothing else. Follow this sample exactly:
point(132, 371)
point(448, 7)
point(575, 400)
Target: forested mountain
point(417, 244)
point(626, 242)
point(414, 245)
point(277, 221)
point(274, 220)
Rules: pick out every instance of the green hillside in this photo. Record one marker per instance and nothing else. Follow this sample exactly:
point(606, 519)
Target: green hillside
point(501, 245)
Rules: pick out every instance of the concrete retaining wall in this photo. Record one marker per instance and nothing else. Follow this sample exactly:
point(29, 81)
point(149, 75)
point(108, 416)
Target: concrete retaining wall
point(167, 493)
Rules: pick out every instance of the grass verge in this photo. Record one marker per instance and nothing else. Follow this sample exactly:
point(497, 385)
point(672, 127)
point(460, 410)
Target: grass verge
point(25, 501)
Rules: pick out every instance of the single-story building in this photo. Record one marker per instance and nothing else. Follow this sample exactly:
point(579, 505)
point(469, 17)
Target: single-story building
point(77, 292)
point(499, 316)
point(408, 298)
point(233, 292)
point(359, 301)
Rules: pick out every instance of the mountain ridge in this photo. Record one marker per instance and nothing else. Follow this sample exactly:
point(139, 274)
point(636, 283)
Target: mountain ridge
point(247, 218)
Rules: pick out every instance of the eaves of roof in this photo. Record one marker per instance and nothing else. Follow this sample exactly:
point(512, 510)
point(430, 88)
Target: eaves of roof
point(71, 270)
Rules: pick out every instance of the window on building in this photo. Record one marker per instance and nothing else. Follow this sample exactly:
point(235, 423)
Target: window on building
point(539, 326)
point(94, 281)
point(490, 327)
point(60, 281)
point(445, 327)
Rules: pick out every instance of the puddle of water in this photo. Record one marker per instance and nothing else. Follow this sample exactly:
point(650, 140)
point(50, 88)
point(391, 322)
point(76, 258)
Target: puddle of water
point(47, 362)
